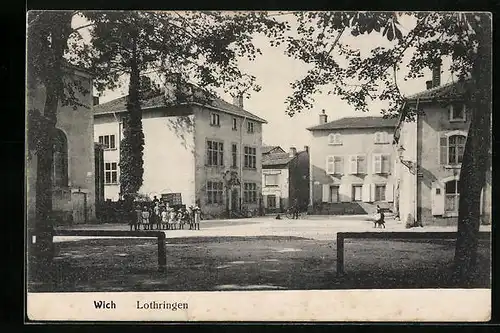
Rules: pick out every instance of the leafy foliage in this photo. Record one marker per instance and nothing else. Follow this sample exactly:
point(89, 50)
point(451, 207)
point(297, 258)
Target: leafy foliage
point(359, 79)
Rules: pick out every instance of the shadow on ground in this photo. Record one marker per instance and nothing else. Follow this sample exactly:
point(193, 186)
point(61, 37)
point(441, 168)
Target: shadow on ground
point(251, 263)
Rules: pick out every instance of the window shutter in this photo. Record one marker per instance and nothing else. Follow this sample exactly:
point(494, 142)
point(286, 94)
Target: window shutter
point(372, 192)
point(377, 137)
point(443, 149)
point(326, 192)
point(389, 192)
point(377, 163)
point(386, 165)
point(331, 138)
point(365, 193)
point(353, 164)
point(437, 199)
point(330, 165)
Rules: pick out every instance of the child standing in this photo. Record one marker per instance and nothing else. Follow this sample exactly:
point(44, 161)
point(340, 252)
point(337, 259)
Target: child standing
point(145, 217)
point(138, 218)
point(164, 218)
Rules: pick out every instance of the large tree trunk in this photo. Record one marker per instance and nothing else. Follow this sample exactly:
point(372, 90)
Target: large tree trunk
point(60, 29)
point(132, 147)
point(475, 161)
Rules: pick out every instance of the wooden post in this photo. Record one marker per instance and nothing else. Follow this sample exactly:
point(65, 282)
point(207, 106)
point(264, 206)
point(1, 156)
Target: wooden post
point(162, 252)
point(340, 254)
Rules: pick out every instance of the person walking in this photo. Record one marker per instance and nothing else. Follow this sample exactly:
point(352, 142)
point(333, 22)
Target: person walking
point(295, 209)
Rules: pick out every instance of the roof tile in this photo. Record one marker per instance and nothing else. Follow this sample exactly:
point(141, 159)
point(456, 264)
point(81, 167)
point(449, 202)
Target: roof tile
point(356, 122)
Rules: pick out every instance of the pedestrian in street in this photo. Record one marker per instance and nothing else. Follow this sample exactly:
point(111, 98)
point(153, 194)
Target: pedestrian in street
point(380, 218)
point(197, 217)
point(295, 209)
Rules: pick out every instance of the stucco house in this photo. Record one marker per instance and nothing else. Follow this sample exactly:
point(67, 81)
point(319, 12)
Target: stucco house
point(351, 165)
point(285, 178)
point(73, 172)
point(204, 151)
point(430, 150)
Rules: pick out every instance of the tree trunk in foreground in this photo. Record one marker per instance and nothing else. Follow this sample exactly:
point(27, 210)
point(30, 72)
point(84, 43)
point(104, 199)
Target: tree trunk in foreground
point(54, 88)
point(475, 162)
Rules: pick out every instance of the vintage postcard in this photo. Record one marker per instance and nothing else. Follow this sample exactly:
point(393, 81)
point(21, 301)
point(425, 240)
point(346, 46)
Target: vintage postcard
point(258, 166)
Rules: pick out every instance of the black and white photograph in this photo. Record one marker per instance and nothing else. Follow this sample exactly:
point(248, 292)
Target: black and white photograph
point(258, 165)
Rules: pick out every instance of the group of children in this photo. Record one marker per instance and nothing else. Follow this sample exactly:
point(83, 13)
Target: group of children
point(165, 217)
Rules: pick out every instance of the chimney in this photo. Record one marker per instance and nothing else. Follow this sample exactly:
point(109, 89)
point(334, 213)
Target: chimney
point(95, 100)
point(322, 117)
point(293, 151)
point(238, 100)
point(428, 84)
point(436, 74)
point(306, 149)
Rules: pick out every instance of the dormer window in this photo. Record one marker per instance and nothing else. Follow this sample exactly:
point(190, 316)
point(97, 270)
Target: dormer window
point(334, 139)
point(214, 119)
point(381, 137)
point(457, 112)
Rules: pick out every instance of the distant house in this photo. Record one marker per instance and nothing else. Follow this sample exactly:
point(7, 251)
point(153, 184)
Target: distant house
point(430, 151)
point(351, 165)
point(73, 172)
point(285, 179)
point(204, 152)
point(266, 150)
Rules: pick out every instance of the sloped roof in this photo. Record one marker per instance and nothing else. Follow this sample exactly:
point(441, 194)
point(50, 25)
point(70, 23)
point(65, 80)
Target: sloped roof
point(158, 101)
point(356, 122)
point(268, 149)
point(453, 90)
point(276, 159)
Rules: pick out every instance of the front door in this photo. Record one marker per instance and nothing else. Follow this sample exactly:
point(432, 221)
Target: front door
point(234, 199)
point(334, 194)
point(79, 200)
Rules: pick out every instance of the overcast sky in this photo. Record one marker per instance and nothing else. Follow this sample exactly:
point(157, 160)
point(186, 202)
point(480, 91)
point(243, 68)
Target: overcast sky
point(275, 71)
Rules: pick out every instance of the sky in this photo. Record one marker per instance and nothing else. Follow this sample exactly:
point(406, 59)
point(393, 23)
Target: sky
point(275, 71)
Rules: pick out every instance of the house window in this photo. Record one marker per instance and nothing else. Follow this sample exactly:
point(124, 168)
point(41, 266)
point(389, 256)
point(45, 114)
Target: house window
point(234, 155)
point(356, 192)
point(457, 112)
point(381, 163)
point(60, 163)
point(235, 124)
point(271, 201)
point(215, 153)
point(381, 137)
point(214, 192)
point(271, 180)
point(214, 119)
point(357, 164)
point(334, 139)
point(456, 147)
point(110, 173)
point(250, 193)
point(452, 196)
point(334, 194)
point(452, 146)
point(108, 141)
point(334, 165)
point(250, 158)
point(250, 127)
point(379, 192)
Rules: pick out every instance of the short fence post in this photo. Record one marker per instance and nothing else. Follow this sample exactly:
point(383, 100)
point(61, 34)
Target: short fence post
point(162, 252)
point(340, 254)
